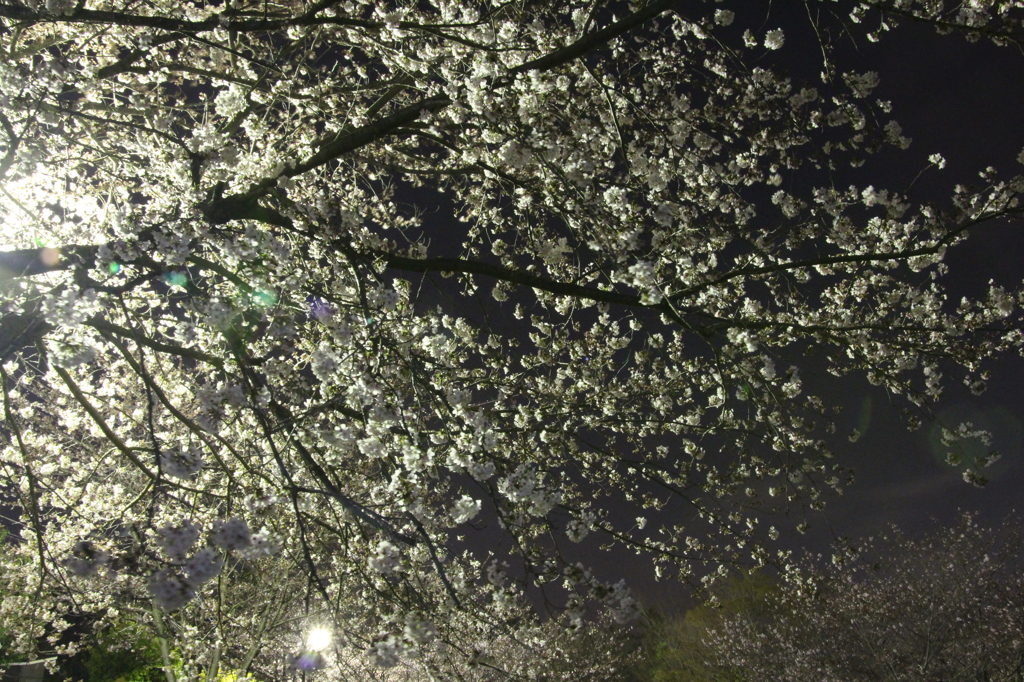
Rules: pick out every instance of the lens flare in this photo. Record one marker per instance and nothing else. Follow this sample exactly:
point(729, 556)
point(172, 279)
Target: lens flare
point(175, 279)
point(264, 298)
point(318, 639)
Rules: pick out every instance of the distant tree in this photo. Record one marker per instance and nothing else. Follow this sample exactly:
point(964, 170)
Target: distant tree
point(949, 607)
point(674, 648)
point(320, 311)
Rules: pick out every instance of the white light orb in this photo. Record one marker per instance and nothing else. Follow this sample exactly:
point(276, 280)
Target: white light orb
point(318, 639)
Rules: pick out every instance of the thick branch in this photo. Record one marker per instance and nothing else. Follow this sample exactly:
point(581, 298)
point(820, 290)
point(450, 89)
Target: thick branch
point(101, 325)
point(368, 133)
point(849, 258)
point(1004, 30)
point(592, 40)
point(225, 20)
point(29, 262)
point(102, 423)
point(242, 206)
point(124, 64)
point(507, 275)
point(19, 331)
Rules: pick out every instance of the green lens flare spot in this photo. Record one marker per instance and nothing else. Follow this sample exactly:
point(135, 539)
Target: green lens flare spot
point(264, 298)
point(114, 268)
point(175, 279)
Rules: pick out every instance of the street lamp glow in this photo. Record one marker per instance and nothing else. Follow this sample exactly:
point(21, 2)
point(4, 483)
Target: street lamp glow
point(318, 639)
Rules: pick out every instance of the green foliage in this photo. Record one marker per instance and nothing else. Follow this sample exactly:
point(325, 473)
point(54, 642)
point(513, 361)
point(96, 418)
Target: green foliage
point(124, 653)
point(6, 638)
point(674, 647)
point(5, 642)
point(233, 677)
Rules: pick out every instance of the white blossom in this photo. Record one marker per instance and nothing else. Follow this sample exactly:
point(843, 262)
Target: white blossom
point(325, 363)
point(176, 541)
point(170, 590)
point(387, 651)
point(203, 567)
point(86, 559)
point(264, 543)
point(386, 558)
point(232, 535)
point(862, 84)
point(419, 630)
point(579, 528)
point(773, 39)
point(70, 307)
point(386, 281)
point(465, 509)
point(230, 101)
point(182, 463)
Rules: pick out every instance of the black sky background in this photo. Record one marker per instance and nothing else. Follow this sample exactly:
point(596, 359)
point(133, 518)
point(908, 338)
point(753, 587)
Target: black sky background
point(965, 101)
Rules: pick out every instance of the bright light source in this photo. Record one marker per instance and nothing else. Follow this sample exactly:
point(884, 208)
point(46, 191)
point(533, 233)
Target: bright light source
point(318, 639)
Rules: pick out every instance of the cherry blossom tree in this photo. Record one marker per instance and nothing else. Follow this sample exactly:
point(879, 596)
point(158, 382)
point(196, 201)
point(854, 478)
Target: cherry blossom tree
point(946, 607)
point(366, 314)
point(678, 647)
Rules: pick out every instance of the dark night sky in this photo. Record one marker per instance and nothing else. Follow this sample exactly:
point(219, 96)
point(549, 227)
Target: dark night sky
point(965, 101)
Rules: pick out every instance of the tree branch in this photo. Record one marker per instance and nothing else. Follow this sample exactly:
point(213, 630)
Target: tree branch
point(592, 40)
point(240, 206)
point(29, 262)
point(101, 422)
point(508, 275)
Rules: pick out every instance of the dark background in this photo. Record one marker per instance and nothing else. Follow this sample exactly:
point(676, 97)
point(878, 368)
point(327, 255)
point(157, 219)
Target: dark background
point(965, 101)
